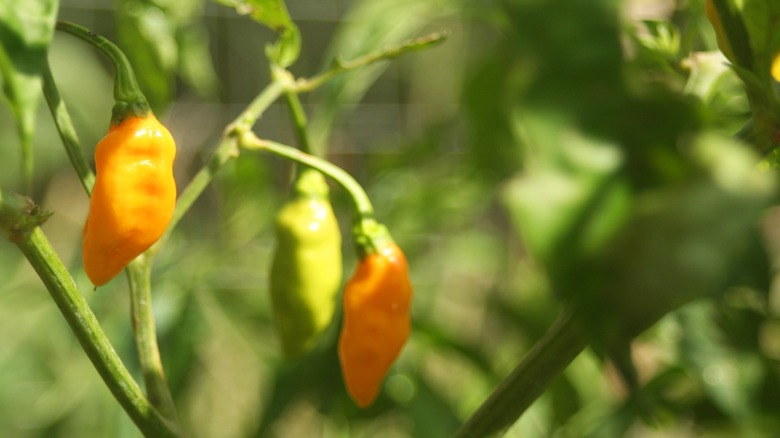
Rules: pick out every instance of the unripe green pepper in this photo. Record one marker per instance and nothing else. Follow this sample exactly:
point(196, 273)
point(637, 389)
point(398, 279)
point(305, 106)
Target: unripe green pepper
point(306, 271)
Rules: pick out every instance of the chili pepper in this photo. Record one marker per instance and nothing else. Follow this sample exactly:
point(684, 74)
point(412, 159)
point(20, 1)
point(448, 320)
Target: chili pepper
point(376, 323)
point(134, 194)
point(133, 198)
point(306, 269)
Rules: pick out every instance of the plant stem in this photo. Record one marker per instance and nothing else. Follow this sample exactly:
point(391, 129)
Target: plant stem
point(90, 335)
point(300, 121)
point(340, 66)
point(362, 204)
point(255, 109)
point(562, 343)
point(139, 276)
point(226, 150)
point(67, 132)
point(127, 94)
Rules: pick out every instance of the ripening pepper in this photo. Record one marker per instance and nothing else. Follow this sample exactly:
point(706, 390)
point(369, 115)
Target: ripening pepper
point(133, 198)
point(376, 324)
point(306, 269)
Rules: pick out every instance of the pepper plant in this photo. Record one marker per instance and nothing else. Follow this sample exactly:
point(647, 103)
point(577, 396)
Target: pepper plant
point(592, 256)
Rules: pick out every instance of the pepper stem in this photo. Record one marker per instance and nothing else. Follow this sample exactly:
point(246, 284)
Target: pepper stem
point(129, 100)
point(370, 236)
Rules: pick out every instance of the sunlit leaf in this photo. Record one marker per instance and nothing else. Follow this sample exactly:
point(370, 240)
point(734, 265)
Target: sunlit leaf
point(273, 14)
point(162, 39)
point(25, 33)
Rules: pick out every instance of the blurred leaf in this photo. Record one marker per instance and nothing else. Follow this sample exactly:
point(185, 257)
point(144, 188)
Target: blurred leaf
point(539, 65)
point(195, 64)
point(369, 26)
point(26, 30)
point(147, 36)
point(732, 379)
point(273, 13)
point(162, 38)
point(569, 190)
point(759, 17)
point(732, 34)
point(682, 242)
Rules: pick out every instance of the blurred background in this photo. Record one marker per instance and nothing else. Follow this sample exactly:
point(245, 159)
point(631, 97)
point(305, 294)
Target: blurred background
point(447, 142)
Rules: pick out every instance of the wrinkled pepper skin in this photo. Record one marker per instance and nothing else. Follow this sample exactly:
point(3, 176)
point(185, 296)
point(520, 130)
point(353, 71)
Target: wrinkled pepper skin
point(134, 196)
point(376, 324)
point(307, 268)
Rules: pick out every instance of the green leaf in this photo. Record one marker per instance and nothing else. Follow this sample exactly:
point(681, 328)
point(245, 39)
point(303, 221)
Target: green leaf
point(25, 33)
point(273, 14)
point(570, 189)
point(683, 241)
point(147, 37)
point(163, 38)
point(195, 64)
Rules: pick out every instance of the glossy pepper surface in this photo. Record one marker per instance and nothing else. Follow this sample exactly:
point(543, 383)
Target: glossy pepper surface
point(306, 270)
point(376, 324)
point(133, 198)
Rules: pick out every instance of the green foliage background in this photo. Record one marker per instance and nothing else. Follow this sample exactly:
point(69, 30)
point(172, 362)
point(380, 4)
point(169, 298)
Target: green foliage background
point(549, 151)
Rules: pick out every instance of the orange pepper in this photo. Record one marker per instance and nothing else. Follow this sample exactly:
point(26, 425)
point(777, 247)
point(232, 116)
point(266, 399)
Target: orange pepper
point(133, 198)
point(376, 324)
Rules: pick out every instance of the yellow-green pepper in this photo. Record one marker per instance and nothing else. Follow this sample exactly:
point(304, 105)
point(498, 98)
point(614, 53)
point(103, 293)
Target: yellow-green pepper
point(307, 268)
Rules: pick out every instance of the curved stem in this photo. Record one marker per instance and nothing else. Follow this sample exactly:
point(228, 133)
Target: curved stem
point(139, 276)
point(127, 94)
point(563, 342)
point(363, 208)
point(67, 132)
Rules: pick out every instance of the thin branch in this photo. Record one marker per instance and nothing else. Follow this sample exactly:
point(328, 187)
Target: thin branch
point(67, 132)
point(19, 222)
point(340, 66)
point(562, 343)
point(139, 276)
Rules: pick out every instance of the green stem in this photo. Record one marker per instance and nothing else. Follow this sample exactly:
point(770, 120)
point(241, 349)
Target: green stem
point(370, 236)
point(139, 276)
point(28, 159)
point(127, 94)
point(340, 66)
point(67, 132)
point(562, 343)
point(252, 113)
point(362, 204)
point(300, 122)
point(225, 151)
point(19, 222)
